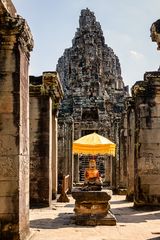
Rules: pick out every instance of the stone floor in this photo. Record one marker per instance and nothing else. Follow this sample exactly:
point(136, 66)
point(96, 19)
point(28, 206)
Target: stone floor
point(57, 223)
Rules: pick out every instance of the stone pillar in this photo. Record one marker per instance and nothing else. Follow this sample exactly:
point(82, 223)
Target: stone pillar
point(76, 168)
point(40, 143)
point(54, 157)
point(116, 160)
point(108, 170)
point(146, 95)
point(45, 95)
point(65, 156)
point(131, 154)
point(123, 153)
point(70, 154)
point(15, 44)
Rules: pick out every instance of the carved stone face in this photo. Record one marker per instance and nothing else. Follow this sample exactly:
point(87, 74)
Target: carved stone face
point(92, 164)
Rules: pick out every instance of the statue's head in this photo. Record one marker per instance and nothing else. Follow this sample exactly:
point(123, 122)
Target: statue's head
point(92, 163)
point(155, 33)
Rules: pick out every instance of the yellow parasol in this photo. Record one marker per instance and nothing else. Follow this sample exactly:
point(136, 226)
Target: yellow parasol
point(94, 144)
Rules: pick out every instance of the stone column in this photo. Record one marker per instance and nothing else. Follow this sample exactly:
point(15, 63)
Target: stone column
point(70, 154)
point(131, 154)
point(65, 156)
point(40, 143)
point(123, 153)
point(54, 157)
point(116, 160)
point(76, 168)
point(108, 170)
point(45, 96)
point(15, 44)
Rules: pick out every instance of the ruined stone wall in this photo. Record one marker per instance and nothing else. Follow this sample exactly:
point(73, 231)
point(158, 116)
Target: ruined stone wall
point(15, 45)
point(146, 95)
point(94, 91)
point(143, 131)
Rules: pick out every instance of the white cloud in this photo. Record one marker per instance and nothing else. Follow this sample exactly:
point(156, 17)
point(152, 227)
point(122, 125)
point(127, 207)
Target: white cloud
point(136, 54)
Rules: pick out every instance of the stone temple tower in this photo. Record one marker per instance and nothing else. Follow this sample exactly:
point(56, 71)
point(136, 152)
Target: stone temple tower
point(94, 94)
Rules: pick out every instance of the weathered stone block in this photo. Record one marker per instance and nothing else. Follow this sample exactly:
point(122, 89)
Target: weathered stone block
point(145, 188)
point(11, 206)
point(149, 136)
point(8, 187)
point(6, 103)
point(150, 179)
point(154, 189)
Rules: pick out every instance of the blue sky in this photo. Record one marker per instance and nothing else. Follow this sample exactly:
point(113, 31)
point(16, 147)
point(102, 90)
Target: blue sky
point(125, 25)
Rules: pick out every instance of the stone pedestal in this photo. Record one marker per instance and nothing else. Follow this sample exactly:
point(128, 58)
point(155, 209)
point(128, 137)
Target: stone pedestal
point(92, 208)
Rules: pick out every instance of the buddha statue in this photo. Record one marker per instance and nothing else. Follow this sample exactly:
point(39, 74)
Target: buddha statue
point(92, 179)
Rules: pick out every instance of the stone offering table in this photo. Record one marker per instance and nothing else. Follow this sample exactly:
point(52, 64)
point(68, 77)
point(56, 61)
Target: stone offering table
point(92, 208)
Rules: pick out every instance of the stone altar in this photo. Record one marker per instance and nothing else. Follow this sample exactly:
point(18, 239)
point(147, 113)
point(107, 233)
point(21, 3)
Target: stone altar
point(92, 208)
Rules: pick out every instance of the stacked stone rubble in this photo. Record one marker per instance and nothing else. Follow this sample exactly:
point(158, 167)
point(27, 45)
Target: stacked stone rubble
point(94, 90)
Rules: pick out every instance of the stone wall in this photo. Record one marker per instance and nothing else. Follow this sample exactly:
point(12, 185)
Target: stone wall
point(94, 91)
point(15, 45)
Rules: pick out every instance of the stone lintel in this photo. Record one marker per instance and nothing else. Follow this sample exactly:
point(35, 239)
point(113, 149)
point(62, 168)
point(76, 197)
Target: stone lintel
point(51, 83)
point(13, 30)
point(153, 78)
point(155, 33)
point(138, 88)
point(47, 85)
point(149, 87)
point(35, 85)
point(6, 6)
